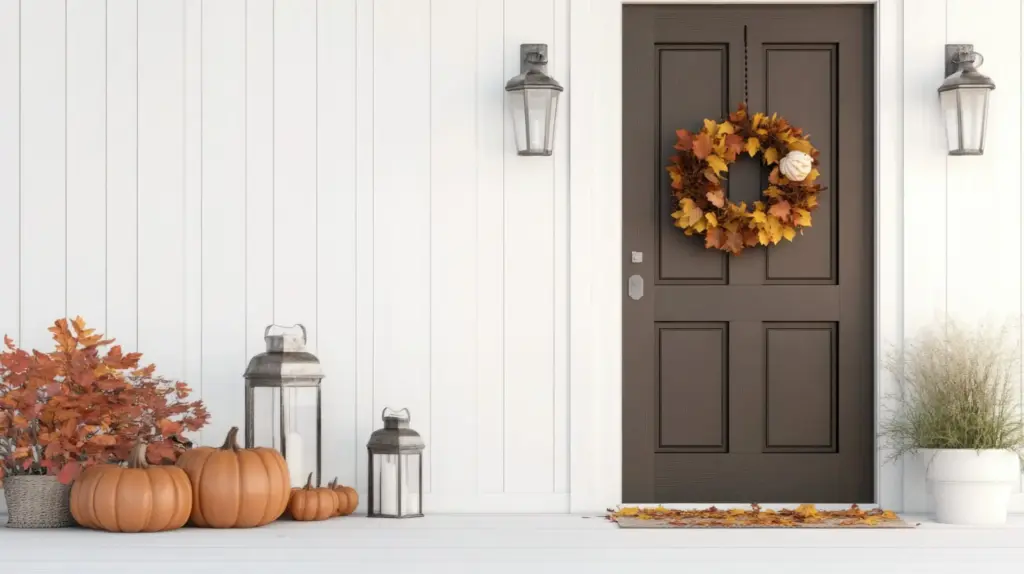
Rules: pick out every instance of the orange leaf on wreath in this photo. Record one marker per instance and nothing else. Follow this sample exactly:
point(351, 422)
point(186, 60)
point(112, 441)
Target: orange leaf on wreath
point(702, 146)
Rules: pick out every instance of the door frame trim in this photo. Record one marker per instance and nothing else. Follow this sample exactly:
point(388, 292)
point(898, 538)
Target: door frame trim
point(595, 239)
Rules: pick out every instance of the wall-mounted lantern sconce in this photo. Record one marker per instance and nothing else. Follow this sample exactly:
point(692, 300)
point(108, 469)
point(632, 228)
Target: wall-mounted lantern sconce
point(964, 100)
point(533, 101)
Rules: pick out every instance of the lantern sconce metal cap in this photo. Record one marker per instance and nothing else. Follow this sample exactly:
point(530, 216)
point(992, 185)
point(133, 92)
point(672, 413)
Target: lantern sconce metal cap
point(533, 102)
point(964, 99)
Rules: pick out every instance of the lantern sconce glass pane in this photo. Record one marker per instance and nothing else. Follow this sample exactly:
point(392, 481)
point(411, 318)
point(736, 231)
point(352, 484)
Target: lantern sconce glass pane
point(532, 99)
point(964, 100)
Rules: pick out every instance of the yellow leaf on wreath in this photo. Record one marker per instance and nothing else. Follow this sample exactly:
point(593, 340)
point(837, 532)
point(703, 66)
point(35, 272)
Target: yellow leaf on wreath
point(732, 226)
point(756, 122)
point(701, 225)
point(677, 214)
point(718, 164)
point(759, 205)
point(771, 155)
point(711, 126)
point(812, 201)
point(726, 128)
point(712, 219)
point(763, 238)
point(806, 510)
point(802, 217)
point(760, 216)
point(719, 145)
point(812, 176)
point(800, 145)
point(773, 192)
point(716, 197)
point(788, 233)
point(753, 146)
point(774, 228)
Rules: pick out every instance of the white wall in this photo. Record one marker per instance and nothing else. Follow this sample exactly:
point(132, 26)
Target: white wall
point(962, 239)
point(182, 173)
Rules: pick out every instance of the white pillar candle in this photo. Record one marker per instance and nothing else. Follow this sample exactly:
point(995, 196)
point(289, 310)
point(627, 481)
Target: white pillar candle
point(293, 456)
point(389, 484)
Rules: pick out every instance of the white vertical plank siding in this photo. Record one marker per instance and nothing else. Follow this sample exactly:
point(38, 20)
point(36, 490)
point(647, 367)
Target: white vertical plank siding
point(86, 161)
point(559, 68)
point(295, 164)
point(402, 208)
point(192, 242)
point(490, 252)
point(336, 234)
point(925, 270)
point(161, 167)
point(975, 184)
point(43, 231)
point(122, 173)
point(365, 411)
point(258, 104)
point(223, 214)
point(529, 282)
point(10, 167)
point(453, 257)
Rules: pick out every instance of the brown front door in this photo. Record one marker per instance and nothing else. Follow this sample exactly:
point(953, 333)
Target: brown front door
point(748, 378)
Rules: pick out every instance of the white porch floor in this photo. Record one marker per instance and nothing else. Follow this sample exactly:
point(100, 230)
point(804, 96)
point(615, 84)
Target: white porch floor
point(496, 544)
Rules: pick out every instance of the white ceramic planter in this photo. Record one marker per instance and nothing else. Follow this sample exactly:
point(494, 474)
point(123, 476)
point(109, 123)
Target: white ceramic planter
point(971, 487)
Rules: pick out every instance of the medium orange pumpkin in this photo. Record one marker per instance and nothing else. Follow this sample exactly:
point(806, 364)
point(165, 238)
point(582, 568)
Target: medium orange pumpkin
point(139, 498)
point(235, 487)
point(339, 491)
point(308, 503)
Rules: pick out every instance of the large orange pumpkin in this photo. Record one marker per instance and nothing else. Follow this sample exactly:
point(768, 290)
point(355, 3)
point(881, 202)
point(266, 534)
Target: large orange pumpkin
point(308, 503)
point(235, 487)
point(139, 498)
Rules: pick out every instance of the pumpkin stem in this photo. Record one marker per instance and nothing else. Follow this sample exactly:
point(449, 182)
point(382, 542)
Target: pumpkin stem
point(333, 483)
point(137, 458)
point(309, 482)
point(231, 442)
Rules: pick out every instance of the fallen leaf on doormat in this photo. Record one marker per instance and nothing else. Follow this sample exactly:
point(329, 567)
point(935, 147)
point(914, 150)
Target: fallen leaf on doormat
point(803, 516)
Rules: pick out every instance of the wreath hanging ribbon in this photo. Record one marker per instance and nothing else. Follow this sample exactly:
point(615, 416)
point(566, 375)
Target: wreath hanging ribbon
point(703, 160)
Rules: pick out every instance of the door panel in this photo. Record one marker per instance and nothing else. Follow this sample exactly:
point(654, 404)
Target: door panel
point(748, 378)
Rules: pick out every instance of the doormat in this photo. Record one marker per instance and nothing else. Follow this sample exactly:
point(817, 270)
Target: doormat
point(803, 516)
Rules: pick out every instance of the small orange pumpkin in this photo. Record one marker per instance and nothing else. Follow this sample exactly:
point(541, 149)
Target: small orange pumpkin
point(139, 498)
point(339, 491)
point(308, 503)
point(235, 487)
point(351, 496)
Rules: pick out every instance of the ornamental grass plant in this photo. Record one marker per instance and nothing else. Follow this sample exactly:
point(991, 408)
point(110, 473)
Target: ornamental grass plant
point(958, 390)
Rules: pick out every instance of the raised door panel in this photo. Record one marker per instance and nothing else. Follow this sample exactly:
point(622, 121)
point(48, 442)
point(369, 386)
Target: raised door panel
point(680, 68)
point(693, 387)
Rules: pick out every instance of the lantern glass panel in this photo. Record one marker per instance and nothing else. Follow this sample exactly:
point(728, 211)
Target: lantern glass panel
point(297, 437)
point(973, 108)
point(947, 100)
point(396, 488)
point(517, 107)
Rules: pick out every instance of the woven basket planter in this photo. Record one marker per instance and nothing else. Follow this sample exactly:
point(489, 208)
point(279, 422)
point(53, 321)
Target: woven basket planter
point(37, 502)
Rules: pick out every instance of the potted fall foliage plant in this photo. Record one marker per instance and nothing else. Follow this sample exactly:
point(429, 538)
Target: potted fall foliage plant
point(958, 407)
point(84, 403)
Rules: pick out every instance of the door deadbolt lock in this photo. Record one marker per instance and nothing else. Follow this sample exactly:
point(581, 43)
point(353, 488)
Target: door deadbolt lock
point(636, 287)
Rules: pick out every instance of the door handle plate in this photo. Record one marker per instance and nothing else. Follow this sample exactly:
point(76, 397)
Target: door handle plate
point(636, 287)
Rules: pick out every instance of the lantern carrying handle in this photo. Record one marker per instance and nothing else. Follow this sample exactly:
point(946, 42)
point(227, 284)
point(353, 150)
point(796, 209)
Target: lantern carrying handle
point(299, 325)
point(408, 415)
point(974, 58)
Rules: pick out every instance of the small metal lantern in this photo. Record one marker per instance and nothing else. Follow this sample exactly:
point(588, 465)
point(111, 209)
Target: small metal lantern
point(964, 100)
point(282, 402)
point(533, 101)
point(396, 468)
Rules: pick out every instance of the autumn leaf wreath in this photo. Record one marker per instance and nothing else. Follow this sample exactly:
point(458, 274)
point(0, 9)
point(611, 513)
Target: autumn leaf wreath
point(703, 160)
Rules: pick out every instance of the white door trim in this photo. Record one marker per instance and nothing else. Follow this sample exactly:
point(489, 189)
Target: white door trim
point(595, 239)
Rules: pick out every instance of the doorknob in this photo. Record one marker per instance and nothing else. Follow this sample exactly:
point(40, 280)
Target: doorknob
point(636, 287)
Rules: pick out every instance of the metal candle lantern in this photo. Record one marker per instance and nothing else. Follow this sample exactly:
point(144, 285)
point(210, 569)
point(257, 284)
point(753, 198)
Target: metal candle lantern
point(396, 468)
point(963, 97)
point(533, 102)
point(282, 402)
